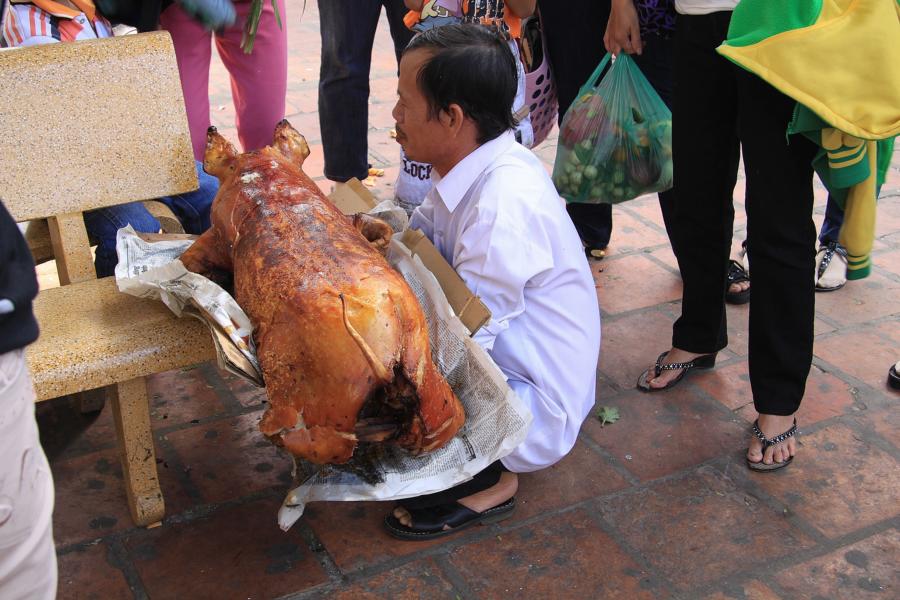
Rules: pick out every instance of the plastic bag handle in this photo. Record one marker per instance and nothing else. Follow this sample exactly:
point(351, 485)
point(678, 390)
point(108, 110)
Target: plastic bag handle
point(592, 80)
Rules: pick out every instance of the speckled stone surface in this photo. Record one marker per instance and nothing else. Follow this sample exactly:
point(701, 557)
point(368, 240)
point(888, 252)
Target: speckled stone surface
point(92, 335)
point(92, 123)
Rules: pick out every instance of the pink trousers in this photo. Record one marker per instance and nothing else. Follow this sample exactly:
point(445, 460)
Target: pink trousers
point(258, 80)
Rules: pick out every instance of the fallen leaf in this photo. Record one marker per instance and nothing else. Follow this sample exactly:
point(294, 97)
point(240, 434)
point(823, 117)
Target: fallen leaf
point(608, 414)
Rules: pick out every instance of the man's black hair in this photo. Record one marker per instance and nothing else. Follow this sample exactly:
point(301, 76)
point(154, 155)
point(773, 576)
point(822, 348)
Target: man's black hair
point(472, 67)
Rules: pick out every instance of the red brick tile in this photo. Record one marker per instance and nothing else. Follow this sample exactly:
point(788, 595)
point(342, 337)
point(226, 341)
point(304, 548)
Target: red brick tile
point(90, 496)
point(826, 396)
point(178, 397)
point(236, 552)
point(888, 218)
point(730, 384)
point(860, 301)
point(885, 422)
point(631, 234)
point(247, 394)
point(866, 569)
point(863, 354)
point(701, 528)
point(737, 318)
point(889, 261)
point(307, 124)
point(230, 458)
point(633, 282)
point(646, 207)
point(838, 482)
point(677, 430)
point(631, 344)
point(86, 574)
point(420, 579)
point(354, 535)
point(66, 432)
point(580, 476)
point(821, 327)
point(567, 556)
point(752, 590)
point(667, 257)
point(314, 165)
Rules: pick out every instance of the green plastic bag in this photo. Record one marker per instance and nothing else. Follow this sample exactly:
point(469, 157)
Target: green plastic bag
point(615, 141)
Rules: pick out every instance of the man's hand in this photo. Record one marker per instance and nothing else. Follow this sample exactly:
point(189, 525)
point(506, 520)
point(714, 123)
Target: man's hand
point(623, 34)
point(213, 14)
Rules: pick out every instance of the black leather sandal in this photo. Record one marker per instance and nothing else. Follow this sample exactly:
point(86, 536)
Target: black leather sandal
point(707, 361)
point(736, 274)
point(437, 521)
point(894, 377)
point(766, 442)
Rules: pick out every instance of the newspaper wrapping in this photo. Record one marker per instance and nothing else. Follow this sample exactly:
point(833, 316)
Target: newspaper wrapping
point(496, 419)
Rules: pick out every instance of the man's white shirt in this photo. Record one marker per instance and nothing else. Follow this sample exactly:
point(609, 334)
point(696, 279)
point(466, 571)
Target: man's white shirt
point(497, 219)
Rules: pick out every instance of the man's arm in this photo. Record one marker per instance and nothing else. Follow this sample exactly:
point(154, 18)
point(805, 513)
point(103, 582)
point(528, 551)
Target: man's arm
point(498, 263)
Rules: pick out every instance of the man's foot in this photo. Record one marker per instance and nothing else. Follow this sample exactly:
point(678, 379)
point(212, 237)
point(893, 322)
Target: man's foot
point(484, 500)
point(831, 267)
point(664, 374)
point(779, 446)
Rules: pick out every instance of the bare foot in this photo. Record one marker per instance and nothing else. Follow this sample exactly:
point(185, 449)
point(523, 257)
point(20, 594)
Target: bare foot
point(675, 355)
point(772, 426)
point(499, 493)
point(737, 288)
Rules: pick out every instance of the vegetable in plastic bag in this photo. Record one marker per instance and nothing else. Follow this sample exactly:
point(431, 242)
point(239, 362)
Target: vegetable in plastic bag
point(615, 141)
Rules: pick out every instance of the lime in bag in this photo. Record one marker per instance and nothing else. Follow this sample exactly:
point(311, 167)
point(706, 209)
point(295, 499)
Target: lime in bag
point(615, 141)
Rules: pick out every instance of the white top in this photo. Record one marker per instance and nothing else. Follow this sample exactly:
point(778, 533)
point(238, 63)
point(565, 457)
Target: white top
point(703, 7)
point(497, 219)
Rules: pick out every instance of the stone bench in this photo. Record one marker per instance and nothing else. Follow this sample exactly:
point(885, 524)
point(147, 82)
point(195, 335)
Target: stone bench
point(85, 125)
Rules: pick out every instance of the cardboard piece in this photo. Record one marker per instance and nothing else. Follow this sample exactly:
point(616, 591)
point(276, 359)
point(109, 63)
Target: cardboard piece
point(352, 197)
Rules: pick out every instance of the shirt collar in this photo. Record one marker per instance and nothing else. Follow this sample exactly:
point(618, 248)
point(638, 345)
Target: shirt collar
point(453, 187)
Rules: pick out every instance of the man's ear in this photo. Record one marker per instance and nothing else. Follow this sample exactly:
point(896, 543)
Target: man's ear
point(452, 118)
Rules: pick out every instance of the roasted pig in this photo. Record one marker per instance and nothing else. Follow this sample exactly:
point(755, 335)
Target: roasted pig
point(341, 339)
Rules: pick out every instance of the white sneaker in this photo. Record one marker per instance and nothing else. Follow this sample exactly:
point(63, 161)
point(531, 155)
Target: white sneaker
point(831, 267)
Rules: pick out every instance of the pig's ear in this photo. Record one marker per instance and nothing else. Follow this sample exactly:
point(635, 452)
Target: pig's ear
point(290, 143)
point(220, 154)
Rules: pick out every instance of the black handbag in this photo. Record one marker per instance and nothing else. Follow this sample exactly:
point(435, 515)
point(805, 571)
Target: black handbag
point(141, 14)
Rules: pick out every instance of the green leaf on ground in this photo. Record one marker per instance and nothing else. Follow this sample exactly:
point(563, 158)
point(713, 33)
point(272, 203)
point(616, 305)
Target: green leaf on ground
point(608, 414)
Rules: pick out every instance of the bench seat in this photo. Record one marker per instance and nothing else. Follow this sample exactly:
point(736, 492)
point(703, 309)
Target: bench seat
point(113, 337)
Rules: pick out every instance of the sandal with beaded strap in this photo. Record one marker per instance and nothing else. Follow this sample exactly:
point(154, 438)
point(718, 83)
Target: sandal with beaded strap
point(706, 361)
point(766, 442)
point(736, 274)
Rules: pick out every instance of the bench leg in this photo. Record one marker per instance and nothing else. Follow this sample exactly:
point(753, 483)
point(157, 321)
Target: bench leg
point(131, 413)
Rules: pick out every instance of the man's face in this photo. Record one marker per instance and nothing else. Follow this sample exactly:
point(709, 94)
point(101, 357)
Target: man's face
point(423, 139)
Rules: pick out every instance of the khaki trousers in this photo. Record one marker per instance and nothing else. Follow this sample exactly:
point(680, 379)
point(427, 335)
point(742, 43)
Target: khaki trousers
point(27, 554)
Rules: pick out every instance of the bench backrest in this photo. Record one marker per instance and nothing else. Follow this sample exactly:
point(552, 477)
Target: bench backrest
point(90, 124)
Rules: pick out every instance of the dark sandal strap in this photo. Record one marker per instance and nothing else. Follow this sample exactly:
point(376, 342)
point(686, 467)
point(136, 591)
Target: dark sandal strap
point(671, 366)
point(766, 442)
point(736, 273)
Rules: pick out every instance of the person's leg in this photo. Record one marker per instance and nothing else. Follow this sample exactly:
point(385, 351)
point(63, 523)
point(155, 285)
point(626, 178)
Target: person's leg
point(348, 32)
point(395, 10)
point(192, 208)
point(27, 555)
point(781, 241)
point(192, 52)
point(831, 258)
point(258, 79)
point(102, 225)
point(566, 27)
point(831, 226)
point(705, 144)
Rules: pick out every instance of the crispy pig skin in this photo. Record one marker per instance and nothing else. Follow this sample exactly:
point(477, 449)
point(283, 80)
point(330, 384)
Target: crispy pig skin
point(336, 328)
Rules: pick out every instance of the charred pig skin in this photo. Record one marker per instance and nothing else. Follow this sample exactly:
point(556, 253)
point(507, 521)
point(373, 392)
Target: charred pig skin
point(341, 339)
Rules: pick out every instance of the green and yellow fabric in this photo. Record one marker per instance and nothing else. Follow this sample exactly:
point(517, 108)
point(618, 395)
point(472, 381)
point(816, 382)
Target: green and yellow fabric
point(840, 60)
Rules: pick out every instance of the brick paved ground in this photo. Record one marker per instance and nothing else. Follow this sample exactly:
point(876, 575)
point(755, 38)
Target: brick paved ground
point(657, 505)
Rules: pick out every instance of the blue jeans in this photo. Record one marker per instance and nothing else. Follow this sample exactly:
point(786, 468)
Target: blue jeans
point(831, 226)
point(348, 32)
point(191, 208)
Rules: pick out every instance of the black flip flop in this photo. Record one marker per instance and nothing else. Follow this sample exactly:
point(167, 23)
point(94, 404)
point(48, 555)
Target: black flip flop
point(736, 274)
point(707, 361)
point(437, 521)
point(894, 377)
point(766, 442)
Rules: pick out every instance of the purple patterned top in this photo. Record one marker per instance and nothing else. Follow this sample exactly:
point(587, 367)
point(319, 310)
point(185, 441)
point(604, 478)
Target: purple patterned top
point(656, 17)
